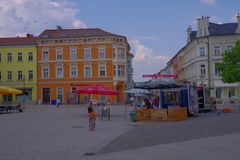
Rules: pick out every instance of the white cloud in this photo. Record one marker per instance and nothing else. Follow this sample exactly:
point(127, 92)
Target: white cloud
point(145, 60)
point(26, 16)
point(233, 18)
point(208, 2)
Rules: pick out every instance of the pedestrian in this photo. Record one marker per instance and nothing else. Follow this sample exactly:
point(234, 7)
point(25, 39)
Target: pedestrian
point(58, 102)
point(91, 118)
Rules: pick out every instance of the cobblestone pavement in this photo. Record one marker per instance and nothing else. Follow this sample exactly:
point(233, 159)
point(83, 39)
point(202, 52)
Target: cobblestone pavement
point(50, 133)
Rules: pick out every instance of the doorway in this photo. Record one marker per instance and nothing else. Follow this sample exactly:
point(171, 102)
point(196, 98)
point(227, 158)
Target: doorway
point(46, 95)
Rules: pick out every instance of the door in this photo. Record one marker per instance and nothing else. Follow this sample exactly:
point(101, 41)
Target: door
point(46, 95)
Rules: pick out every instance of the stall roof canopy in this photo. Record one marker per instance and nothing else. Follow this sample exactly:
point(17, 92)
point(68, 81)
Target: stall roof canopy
point(156, 85)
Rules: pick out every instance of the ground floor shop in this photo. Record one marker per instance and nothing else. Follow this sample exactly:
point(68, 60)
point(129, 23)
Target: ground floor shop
point(48, 93)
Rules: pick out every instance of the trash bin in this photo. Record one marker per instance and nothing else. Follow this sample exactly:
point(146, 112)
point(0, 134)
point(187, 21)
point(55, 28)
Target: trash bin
point(53, 102)
point(133, 116)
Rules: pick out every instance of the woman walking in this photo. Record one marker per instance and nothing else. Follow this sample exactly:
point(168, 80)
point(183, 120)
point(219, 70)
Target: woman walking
point(91, 118)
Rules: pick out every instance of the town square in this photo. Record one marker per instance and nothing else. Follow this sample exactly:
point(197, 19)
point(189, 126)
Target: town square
point(119, 80)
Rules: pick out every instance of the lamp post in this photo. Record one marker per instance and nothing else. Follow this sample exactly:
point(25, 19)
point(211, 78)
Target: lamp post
point(23, 91)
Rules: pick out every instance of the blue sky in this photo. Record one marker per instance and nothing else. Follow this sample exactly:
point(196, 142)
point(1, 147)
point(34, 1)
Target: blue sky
point(156, 29)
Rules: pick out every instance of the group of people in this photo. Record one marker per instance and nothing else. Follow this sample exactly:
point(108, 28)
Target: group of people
point(146, 102)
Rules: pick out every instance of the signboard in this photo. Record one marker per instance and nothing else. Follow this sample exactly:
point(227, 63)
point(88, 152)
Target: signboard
point(160, 75)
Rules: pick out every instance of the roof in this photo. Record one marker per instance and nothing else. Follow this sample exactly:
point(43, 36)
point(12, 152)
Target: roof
point(70, 33)
point(17, 41)
point(218, 30)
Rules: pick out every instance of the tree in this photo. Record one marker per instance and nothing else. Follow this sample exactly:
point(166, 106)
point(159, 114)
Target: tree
point(230, 67)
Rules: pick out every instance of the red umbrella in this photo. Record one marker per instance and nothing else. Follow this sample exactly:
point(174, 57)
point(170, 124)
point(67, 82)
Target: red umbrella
point(96, 89)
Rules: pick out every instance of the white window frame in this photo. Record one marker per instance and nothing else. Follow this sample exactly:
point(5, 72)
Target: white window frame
point(216, 94)
point(20, 75)
point(202, 70)
point(59, 54)
point(85, 73)
point(73, 53)
point(57, 93)
point(229, 47)
point(48, 75)
point(20, 57)
point(101, 52)
point(121, 71)
point(121, 53)
point(216, 71)
point(30, 56)
point(71, 69)
point(201, 51)
point(9, 57)
point(9, 75)
point(30, 72)
point(59, 67)
point(234, 92)
point(99, 70)
point(217, 51)
point(87, 53)
point(115, 70)
point(45, 55)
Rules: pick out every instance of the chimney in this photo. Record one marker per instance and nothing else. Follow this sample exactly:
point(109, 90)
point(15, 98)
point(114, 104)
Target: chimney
point(189, 31)
point(59, 28)
point(238, 23)
point(202, 28)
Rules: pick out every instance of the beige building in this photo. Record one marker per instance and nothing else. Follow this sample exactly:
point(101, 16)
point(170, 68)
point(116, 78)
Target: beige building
point(204, 48)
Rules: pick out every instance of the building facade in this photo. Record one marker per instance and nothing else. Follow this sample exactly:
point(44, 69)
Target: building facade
point(18, 67)
point(205, 48)
point(69, 58)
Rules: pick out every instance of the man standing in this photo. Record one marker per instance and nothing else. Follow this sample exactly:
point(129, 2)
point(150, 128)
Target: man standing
point(57, 102)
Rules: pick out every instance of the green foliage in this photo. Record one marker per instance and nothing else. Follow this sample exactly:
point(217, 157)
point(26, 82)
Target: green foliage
point(230, 67)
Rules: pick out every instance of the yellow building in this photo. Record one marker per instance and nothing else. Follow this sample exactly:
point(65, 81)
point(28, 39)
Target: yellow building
point(18, 66)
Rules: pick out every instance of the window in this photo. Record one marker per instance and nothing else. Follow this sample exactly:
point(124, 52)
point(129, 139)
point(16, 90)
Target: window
point(87, 53)
point(73, 53)
point(205, 31)
point(19, 56)
point(0, 75)
point(73, 89)
point(120, 53)
point(59, 73)
point(60, 94)
point(114, 70)
point(20, 76)
point(45, 72)
point(201, 51)
point(231, 93)
point(30, 74)
point(9, 75)
point(73, 71)
point(59, 54)
point(202, 70)
point(217, 51)
point(0, 57)
point(102, 98)
point(30, 56)
point(218, 92)
point(217, 72)
point(229, 48)
point(87, 71)
point(9, 57)
point(102, 70)
point(121, 71)
point(101, 52)
point(45, 55)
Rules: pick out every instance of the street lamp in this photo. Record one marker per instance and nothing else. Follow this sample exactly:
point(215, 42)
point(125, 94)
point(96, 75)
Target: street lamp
point(23, 91)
